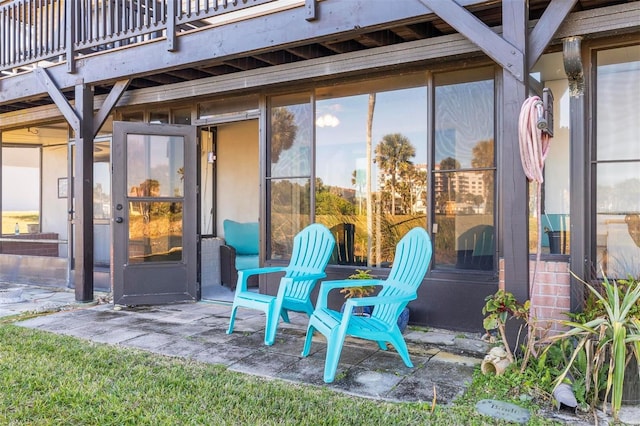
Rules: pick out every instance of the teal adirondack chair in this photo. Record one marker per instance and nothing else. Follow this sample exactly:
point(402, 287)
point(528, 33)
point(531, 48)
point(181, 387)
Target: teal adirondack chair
point(312, 248)
point(410, 265)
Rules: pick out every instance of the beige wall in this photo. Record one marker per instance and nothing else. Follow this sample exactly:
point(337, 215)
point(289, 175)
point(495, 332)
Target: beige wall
point(54, 209)
point(557, 170)
point(238, 186)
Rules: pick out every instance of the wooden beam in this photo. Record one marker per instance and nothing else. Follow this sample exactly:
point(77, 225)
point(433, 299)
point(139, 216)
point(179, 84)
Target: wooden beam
point(102, 68)
point(354, 62)
point(70, 13)
point(172, 38)
point(310, 51)
point(58, 98)
point(618, 18)
point(229, 41)
point(508, 56)
point(545, 29)
point(512, 182)
point(114, 96)
point(83, 196)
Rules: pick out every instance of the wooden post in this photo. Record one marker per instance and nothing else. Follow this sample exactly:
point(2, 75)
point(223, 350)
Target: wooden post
point(512, 182)
point(70, 11)
point(581, 235)
point(83, 195)
point(172, 39)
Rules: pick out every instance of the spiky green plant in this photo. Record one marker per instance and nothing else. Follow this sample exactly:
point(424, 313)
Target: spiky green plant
point(609, 341)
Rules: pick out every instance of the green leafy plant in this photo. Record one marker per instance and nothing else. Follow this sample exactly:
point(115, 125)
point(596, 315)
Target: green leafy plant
point(608, 339)
point(359, 291)
point(498, 309)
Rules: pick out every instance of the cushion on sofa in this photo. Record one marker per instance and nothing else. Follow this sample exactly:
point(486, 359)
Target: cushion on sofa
point(247, 261)
point(244, 237)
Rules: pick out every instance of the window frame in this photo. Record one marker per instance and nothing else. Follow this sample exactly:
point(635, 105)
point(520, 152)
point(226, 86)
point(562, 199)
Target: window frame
point(482, 275)
point(588, 249)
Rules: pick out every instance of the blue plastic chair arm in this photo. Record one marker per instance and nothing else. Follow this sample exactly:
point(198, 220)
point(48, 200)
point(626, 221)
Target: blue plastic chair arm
point(308, 277)
point(266, 270)
point(327, 286)
point(244, 275)
point(374, 300)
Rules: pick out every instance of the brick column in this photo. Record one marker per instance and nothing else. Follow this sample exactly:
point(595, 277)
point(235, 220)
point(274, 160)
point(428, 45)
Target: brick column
point(550, 295)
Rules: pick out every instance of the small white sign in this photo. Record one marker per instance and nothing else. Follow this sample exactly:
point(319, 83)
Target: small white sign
point(503, 410)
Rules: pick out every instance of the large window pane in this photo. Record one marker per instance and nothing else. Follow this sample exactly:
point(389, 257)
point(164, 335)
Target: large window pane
point(371, 155)
point(156, 166)
point(618, 219)
point(102, 180)
point(155, 232)
point(289, 180)
point(290, 212)
point(618, 156)
point(464, 119)
point(291, 136)
point(20, 189)
point(464, 171)
point(618, 131)
point(102, 203)
point(465, 232)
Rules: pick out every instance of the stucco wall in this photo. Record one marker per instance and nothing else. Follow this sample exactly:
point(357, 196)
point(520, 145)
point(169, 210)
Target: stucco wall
point(238, 177)
point(557, 170)
point(54, 209)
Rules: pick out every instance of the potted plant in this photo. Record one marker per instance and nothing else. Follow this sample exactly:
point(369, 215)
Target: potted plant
point(360, 291)
point(608, 337)
point(498, 309)
point(367, 290)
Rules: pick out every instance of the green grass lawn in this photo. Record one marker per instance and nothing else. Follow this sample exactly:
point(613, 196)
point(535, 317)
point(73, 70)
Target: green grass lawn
point(48, 379)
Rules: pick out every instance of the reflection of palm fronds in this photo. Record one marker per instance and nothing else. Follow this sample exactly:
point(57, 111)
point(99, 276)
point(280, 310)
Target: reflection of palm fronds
point(392, 229)
point(283, 131)
point(393, 154)
point(622, 265)
point(385, 240)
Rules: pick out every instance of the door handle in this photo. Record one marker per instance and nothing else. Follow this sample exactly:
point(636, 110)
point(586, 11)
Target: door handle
point(119, 220)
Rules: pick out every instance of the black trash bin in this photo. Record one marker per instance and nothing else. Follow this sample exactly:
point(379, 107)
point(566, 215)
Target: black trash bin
point(555, 242)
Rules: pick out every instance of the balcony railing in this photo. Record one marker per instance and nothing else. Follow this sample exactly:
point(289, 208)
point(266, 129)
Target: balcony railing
point(57, 30)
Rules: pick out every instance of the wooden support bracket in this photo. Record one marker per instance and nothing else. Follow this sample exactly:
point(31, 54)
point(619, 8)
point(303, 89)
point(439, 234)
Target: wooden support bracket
point(497, 48)
point(114, 96)
point(546, 27)
point(59, 99)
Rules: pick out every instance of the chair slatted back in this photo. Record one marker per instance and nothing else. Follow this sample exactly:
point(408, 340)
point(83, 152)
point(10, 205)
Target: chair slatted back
point(312, 248)
point(410, 265)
